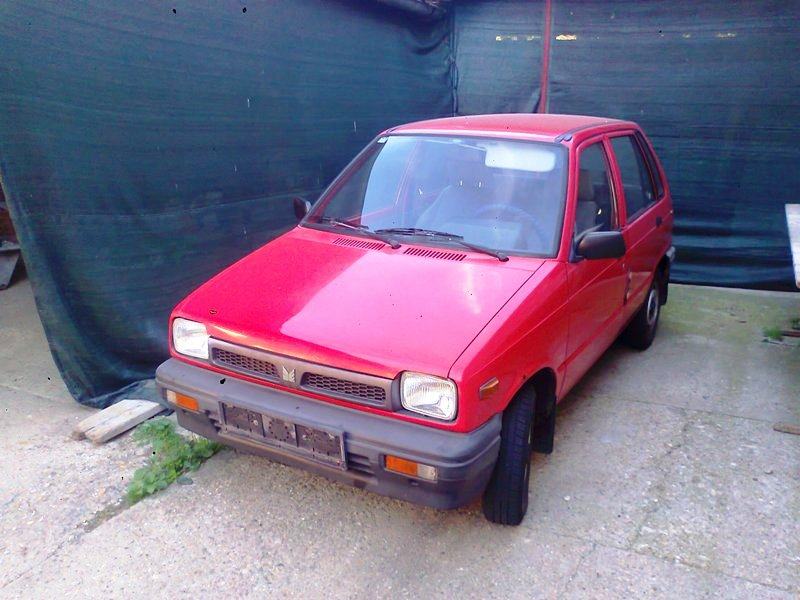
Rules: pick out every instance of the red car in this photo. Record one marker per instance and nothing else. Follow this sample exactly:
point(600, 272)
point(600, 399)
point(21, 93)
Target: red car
point(413, 334)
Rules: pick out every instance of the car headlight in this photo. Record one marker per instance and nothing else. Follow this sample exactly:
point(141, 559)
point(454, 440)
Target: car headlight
point(428, 395)
point(190, 338)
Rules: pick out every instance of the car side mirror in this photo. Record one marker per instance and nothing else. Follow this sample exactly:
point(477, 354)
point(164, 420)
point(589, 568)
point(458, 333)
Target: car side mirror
point(301, 207)
point(601, 244)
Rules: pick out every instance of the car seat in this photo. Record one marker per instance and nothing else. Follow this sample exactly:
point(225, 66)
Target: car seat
point(469, 188)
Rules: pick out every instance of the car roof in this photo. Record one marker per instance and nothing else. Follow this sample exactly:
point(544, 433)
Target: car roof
point(540, 125)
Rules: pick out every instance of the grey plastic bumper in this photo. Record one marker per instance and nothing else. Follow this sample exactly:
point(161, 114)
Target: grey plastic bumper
point(464, 461)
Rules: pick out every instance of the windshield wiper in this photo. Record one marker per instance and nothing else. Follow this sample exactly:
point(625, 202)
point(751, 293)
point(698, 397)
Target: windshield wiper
point(453, 237)
point(363, 229)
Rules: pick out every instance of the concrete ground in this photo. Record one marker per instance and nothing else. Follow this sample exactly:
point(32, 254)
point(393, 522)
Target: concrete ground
point(667, 481)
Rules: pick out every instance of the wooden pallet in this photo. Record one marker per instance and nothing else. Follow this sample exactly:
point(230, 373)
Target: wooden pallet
point(116, 419)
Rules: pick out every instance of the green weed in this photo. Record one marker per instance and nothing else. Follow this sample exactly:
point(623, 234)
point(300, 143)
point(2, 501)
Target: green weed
point(173, 455)
point(773, 333)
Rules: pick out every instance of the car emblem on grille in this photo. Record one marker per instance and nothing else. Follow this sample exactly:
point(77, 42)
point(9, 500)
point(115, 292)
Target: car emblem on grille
point(288, 375)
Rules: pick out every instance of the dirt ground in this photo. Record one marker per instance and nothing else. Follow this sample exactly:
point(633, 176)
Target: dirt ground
point(667, 481)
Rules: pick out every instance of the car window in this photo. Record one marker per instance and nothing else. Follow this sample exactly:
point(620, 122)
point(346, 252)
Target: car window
point(595, 206)
point(651, 162)
point(507, 195)
point(636, 182)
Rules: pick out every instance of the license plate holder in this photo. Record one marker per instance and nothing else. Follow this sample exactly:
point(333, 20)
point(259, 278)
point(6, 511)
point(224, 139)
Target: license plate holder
point(316, 443)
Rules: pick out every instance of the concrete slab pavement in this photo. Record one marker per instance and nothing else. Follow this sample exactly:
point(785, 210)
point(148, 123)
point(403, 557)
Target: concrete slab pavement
point(667, 482)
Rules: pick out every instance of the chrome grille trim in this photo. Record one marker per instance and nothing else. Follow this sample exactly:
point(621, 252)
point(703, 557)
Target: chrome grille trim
point(291, 372)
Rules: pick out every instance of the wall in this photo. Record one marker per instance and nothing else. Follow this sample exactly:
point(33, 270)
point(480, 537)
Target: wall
point(145, 146)
point(714, 83)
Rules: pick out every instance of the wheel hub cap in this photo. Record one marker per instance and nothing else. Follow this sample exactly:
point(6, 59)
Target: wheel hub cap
point(652, 306)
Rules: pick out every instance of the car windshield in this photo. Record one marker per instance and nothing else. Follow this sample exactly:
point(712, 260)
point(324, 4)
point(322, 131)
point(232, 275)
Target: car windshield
point(496, 193)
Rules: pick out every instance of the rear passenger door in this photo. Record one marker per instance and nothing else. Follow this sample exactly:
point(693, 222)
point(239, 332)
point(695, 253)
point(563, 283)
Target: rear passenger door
point(643, 225)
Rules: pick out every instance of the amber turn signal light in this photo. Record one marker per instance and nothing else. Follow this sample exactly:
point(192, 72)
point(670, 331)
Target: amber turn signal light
point(183, 401)
point(488, 388)
point(409, 467)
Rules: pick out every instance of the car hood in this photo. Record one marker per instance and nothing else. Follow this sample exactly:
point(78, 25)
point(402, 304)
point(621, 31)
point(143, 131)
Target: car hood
point(354, 304)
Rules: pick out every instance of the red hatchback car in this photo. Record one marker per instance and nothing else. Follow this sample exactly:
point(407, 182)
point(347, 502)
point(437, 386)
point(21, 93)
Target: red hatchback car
point(413, 334)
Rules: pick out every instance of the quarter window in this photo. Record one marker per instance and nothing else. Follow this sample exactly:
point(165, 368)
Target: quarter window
point(638, 186)
point(651, 162)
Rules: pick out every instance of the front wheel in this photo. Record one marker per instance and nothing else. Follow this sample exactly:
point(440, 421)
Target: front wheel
point(642, 330)
point(505, 500)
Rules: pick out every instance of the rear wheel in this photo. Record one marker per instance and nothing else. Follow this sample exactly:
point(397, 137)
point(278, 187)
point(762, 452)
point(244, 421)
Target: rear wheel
point(642, 330)
point(505, 500)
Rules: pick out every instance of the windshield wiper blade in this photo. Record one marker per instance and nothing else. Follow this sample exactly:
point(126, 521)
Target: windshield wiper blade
point(363, 229)
point(453, 237)
point(418, 231)
point(478, 248)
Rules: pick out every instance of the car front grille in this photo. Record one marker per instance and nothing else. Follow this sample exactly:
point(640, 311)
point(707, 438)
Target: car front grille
point(244, 364)
point(360, 392)
point(294, 373)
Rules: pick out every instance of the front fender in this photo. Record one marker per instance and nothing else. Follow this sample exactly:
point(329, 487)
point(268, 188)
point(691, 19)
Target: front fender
point(527, 335)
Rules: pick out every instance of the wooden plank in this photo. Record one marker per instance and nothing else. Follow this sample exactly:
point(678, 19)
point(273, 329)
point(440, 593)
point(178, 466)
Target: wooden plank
point(99, 417)
point(117, 419)
point(787, 428)
point(137, 412)
point(793, 221)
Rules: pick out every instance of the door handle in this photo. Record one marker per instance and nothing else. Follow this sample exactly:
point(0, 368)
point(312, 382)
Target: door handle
point(659, 220)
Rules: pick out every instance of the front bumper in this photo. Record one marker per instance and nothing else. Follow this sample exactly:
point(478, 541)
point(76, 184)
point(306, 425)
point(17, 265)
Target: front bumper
point(464, 461)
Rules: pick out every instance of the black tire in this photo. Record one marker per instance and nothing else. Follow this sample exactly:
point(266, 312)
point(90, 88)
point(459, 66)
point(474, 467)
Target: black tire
point(641, 331)
point(505, 500)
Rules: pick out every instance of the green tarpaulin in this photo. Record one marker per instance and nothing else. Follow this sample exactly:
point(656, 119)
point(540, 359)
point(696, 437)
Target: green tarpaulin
point(145, 146)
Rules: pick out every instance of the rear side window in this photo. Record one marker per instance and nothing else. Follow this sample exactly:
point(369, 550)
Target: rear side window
point(639, 191)
point(651, 162)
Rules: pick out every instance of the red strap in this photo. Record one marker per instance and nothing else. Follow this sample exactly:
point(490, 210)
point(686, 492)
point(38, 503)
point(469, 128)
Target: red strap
point(544, 80)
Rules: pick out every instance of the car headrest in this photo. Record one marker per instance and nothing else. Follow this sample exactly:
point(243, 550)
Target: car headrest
point(469, 174)
point(585, 186)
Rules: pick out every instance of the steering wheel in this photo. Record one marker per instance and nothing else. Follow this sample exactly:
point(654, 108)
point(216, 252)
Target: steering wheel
point(518, 212)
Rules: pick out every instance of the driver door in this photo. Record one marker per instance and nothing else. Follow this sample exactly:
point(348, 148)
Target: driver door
point(596, 287)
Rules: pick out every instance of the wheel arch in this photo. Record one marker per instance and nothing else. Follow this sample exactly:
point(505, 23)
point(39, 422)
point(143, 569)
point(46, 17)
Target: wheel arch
point(544, 383)
point(662, 272)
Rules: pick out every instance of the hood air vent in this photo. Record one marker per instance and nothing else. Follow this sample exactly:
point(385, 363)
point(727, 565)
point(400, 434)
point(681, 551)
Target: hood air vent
point(358, 243)
point(428, 253)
